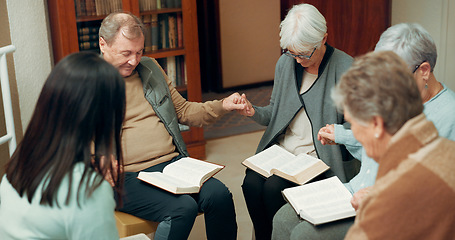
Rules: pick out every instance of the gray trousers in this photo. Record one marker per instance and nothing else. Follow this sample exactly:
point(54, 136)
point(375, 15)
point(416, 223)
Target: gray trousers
point(288, 225)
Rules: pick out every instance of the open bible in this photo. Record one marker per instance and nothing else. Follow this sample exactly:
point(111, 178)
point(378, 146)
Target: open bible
point(183, 176)
point(320, 202)
point(276, 160)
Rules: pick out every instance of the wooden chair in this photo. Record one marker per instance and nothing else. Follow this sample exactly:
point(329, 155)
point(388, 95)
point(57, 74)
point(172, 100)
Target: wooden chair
point(128, 225)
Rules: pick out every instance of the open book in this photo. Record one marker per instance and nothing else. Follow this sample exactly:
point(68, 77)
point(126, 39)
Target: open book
point(320, 202)
point(139, 236)
point(183, 176)
point(276, 160)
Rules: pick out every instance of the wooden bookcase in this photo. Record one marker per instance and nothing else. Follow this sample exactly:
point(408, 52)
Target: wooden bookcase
point(65, 25)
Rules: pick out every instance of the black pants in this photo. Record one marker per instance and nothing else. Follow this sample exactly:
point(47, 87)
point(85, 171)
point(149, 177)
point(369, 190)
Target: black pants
point(176, 213)
point(263, 199)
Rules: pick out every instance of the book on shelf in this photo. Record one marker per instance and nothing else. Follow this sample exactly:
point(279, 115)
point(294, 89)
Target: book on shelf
point(147, 21)
point(185, 75)
point(183, 176)
point(276, 160)
point(172, 31)
point(96, 7)
point(321, 202)
point(88, 37)
point(101, 7)
point(88, 30)
point(162, 31)
point(174, 67)
point(171, 3)
point(163, 63)
point(164, 28)
point(154, 31)
point(179, 30)
point(79, 7)
point(90, 45)
point(147, 5)
point(171, 70)
point(90, 7)
point(179, 61)
point(163, 4)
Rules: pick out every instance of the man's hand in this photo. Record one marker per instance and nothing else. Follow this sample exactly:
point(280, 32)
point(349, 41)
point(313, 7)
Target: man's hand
point(327, 135)
point(239, 103)
point(234, 102)
point(359, 196)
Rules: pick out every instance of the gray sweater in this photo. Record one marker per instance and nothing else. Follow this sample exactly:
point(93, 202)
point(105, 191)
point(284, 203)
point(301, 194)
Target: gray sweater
point(286, 102)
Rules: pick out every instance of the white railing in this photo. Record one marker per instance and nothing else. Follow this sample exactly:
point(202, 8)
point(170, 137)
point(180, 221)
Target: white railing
point(7, 106)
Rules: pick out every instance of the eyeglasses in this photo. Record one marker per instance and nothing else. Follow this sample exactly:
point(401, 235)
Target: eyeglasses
point(307, 57)
point(417, 66)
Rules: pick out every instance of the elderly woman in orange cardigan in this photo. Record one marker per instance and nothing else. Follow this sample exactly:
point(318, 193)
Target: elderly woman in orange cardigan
point(413, 197)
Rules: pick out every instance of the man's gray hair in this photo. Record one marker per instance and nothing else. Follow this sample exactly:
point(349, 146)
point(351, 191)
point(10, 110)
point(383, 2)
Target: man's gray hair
point(411, 42)
point(127, 24)
point(303, 28)
point(379, 84)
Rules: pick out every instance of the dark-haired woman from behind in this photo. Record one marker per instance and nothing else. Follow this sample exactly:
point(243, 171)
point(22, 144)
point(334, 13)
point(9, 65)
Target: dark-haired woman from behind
point(58, 183)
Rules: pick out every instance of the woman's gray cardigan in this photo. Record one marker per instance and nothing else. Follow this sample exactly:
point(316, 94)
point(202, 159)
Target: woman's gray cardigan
point(286, 102)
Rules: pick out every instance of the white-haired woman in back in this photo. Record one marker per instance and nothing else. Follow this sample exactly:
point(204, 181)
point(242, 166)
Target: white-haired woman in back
point(300, 105)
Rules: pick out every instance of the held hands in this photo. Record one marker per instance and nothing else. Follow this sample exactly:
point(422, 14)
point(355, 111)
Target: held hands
point(327, 135)
point(239, 103)
point(111, 178)
point(359, 196)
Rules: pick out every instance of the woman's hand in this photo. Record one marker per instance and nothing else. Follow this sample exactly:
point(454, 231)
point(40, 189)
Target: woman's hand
point(327, 135)
point(249, 110)
point(111, 178)
point(359, 196)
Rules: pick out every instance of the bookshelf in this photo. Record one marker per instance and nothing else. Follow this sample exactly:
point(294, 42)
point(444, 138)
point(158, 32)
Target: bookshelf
point(74, 27)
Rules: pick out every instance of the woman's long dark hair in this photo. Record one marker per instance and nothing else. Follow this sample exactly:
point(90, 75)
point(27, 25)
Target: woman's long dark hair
point(77, 118)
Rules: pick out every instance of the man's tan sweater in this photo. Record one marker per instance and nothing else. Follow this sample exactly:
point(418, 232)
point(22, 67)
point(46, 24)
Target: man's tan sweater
point(145, 139)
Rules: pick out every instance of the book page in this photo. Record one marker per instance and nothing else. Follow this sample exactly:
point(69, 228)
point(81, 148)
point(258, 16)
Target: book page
point(139, 236)
point(271, 158)
point(329, 211)
point(298, 164)
point(191, 170)
point(164, 181)
point(323, 200)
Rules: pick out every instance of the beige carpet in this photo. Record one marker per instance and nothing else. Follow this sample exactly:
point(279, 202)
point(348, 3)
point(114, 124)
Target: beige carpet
point(233, 123)
point(231, 151)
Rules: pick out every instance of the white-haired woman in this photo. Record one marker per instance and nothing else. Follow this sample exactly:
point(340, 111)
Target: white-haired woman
point(416, 47)
point(300, 105)
point(414, 190)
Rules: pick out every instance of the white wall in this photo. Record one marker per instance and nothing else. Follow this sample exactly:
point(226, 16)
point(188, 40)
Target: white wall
point(438, 18)
point(32, 59)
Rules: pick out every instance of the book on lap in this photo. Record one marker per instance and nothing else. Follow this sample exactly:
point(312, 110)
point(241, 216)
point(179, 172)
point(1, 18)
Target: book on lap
point(276, 160)
point(184, 176)
point(139, 236)
point(321, 202)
